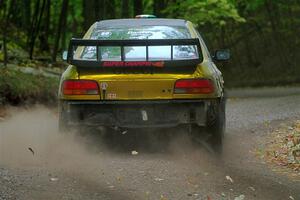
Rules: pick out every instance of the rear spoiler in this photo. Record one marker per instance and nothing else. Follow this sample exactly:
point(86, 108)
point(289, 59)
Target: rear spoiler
point(99, 63)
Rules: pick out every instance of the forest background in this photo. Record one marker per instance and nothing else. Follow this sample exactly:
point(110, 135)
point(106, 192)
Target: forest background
point(263, 35)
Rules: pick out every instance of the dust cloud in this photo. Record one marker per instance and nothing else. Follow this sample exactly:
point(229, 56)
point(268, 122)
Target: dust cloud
point(30, 138)
point(30, 141)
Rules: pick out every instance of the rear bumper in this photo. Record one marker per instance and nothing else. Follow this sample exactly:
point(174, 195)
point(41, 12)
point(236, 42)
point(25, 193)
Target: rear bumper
point(135, 114)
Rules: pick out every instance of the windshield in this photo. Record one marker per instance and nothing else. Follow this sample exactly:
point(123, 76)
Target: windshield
point(141, 33)
point(139, 53)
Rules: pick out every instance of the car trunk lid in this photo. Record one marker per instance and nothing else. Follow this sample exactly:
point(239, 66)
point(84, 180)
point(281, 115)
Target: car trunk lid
point(136, 86)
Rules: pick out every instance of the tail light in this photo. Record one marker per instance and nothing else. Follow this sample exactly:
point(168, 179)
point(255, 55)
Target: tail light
point(193, 86)
point(80, 87)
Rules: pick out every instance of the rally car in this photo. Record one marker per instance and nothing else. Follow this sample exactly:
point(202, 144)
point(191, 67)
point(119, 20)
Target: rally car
point(143, 73)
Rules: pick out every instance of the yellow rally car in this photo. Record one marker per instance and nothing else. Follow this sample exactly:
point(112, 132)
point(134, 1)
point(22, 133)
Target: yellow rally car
point(143, 73)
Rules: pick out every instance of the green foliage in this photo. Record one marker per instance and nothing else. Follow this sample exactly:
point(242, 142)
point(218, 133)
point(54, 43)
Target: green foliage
point(148, 7)
point(214, 12)
point(262, 34)
point(76, 16)
point(18, 88)
point(250, 5)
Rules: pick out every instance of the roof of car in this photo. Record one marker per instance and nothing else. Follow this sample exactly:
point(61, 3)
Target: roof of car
point(140, 22)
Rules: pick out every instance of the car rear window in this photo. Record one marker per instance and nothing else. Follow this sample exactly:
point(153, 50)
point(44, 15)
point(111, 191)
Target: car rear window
point(141, 33)
point(138, 53)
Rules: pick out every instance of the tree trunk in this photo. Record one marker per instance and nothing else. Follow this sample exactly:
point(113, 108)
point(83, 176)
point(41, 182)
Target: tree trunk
point(110, 9)
point(158, 7)
point(33, 21)
point(6, 19)
point(5, 59)
point(36, 28)
point(102, 10)
point(62, 18)
point(96, 10)
point(275, 34)
point(125, 9)
point(44, 43)
point(75, 26)
point(26, 14)
point(88, 14)
point(222, 42)
point(64, 30)
point(236, 52)
point(99, 8)
point(248, 53)
point(5, 26)
point(14, 13)
point(137, 7)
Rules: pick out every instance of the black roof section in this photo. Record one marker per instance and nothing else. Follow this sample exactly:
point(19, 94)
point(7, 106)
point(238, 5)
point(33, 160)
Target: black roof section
point(140, 22)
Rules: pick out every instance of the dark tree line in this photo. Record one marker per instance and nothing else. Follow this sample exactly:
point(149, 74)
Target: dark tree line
point(46, 22)
point(263, 35)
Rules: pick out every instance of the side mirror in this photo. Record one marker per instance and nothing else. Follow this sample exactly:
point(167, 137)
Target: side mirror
point(65, 55)
point(222, 55)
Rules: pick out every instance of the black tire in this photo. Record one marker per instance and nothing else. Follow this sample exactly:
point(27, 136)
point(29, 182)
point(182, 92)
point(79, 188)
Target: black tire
point(62, 121)
point(216, 125)
point(64, 127)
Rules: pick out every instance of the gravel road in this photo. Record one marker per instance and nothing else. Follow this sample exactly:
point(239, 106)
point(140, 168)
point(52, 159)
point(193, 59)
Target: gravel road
point(68, 167)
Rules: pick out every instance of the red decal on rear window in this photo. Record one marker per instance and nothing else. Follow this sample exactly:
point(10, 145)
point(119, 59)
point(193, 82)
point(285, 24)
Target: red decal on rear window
point(133, 64)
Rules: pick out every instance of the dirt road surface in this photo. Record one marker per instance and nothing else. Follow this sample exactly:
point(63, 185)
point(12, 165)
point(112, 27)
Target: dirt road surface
point(38, 163)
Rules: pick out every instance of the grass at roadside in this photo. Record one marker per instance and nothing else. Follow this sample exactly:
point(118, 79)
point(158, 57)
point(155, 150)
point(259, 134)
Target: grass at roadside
point(19, 88)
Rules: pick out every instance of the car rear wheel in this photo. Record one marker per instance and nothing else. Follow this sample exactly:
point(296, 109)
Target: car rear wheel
point(216, 122)
point(62, 121)
point(62, 127)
